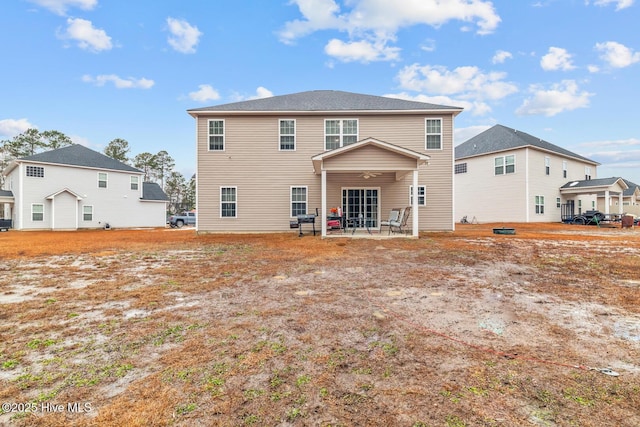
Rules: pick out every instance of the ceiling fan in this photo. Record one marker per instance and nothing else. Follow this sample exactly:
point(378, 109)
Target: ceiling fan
point(367, 174)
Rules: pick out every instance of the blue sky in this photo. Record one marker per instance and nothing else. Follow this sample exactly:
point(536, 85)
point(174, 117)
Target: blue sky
point(567, 71)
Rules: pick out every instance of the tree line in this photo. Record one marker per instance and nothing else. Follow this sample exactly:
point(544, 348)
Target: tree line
point(158, 168)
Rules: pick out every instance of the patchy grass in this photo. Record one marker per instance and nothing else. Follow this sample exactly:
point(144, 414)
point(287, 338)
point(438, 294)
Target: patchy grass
point(166, 327)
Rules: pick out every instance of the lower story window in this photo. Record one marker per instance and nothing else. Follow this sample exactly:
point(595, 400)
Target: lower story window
point(422, 195)
point(228, 202)
point(540, 205)
point(298, 201)
point(87, 213)
point(37, 212)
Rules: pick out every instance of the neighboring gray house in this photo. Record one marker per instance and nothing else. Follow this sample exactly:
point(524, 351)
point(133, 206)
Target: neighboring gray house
point(75, 187)
point(260, 163)
point(504, 174)
point(630, 200)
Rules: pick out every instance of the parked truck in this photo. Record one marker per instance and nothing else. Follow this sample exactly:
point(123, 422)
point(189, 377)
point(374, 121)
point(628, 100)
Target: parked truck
point(182, 219)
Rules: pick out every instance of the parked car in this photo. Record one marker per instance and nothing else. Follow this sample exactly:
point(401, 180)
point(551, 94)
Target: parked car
point(182, 219)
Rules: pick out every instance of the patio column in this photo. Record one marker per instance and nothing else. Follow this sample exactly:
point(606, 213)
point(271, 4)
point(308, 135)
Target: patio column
point(620, 207)
point(323, 203)
point(607, 200)
point(414, 208)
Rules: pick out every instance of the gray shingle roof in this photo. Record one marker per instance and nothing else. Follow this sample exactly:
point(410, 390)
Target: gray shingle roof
point(79, 155)
point(152, 191)
point(501, 138)
point(6, 193)
point(325, 100)
point(598, 182)
point(632, 187)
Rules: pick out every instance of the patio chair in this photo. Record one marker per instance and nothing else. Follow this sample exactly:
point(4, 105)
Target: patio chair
point(400, 225)
point(394, 215)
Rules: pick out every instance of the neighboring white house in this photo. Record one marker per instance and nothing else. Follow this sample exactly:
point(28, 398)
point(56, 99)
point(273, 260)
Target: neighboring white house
point(504, 174)
point(630, 200)
point(75, 187)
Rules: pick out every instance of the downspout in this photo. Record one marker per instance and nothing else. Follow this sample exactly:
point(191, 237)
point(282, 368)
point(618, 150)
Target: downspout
point(323, 201)
point(526, 184)
point(415, 203)
point(20, 217)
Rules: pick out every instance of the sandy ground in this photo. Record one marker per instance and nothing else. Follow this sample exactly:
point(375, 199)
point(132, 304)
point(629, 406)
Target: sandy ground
point(167, 327)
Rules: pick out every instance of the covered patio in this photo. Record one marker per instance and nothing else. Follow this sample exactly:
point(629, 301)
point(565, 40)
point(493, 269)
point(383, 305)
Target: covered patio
point(366, 180)
point(610, 188)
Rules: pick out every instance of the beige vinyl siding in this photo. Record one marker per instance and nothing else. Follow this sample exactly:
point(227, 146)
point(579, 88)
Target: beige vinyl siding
point(263, 174)
point(370, 158)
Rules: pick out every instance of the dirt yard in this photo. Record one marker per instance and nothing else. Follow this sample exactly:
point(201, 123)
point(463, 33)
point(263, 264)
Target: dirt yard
point(165, 327)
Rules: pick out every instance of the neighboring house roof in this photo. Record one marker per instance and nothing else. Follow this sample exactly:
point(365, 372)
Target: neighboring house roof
point(325, 100)
point(632, 188)
point(5, 193)
point(152, 191)
point(501, 138)
point(78, 155)
point(598, 182)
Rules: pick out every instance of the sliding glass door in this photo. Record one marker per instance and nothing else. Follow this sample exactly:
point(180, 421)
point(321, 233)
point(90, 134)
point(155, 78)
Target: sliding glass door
point(361, 203)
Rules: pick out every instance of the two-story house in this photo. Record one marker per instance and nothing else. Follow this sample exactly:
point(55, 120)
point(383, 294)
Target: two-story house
point(504, 174)
point(263, 162)
point(75, 187)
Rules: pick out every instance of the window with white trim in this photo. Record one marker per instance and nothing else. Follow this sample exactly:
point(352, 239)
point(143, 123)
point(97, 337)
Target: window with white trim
point(87, 213)
point(558, 202)
point(505, 164)
point(287, 135)
point(340, 132)
point(102, 179)
point(37, 212)
point(540, 205)
point(216, 135)
point(298, 201)
point(228, 202)
point(433, 134)
point(547, 165)
point(564, 168)
point(135, 182)
point(35, 171)
point(587, 173)
point(422, 195)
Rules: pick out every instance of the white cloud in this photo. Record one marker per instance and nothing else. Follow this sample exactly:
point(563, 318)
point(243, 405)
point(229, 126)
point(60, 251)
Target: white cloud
point(501, 56)
point(593, 68)
point(629, 142)
point(60, 7)
point(261, 92)
point(476, 108)
point(469, 85)
point(617, 55)
point(557, 59)
point(184, 36)
point(378, 21)
point(12, 127)
point(86, 36)
point(362, 51)
point(118, 82)
point(463, 134)
point(204, 93)
point(563, 96)
point(620, 4)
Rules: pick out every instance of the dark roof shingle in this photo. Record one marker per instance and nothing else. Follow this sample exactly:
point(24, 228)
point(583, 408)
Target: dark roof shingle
point(501, 138)
point(152, 191)
point(79, 155)
point(325, 100)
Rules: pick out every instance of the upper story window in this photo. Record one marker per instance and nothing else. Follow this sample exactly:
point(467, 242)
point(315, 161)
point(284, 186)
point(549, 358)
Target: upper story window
point(216, 135)
point(433, 129)
point(35, 171)
point(135, 182)
point(587, 173)
point(460, 168)
point(102, 180)
point(564, 168)
point(287, 135)
point(505, 164)
point(547, 165)
point(340, 132)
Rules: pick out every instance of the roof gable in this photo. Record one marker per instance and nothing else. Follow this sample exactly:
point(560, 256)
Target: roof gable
point(152, 191)
point(325, 100)
point(79, 155)
point(501, 138)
